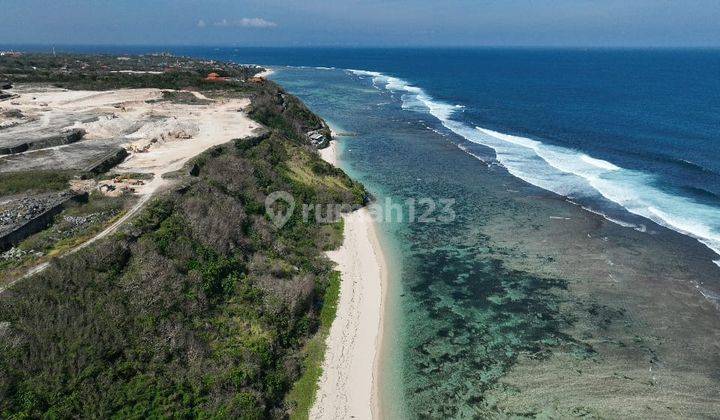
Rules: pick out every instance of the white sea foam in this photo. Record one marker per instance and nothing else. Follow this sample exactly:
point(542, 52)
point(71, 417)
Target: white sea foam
point(413, 98)
point(616, 221)
point(602, 164)
point(569, 172)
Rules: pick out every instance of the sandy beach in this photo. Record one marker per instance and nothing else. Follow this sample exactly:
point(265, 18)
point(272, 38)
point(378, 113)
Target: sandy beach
point(348, 385)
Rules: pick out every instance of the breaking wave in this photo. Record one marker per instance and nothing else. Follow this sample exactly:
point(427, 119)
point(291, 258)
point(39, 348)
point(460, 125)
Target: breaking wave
point(568, 172)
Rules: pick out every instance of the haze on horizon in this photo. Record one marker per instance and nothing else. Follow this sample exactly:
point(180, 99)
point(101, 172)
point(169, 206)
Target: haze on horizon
point(559, 23)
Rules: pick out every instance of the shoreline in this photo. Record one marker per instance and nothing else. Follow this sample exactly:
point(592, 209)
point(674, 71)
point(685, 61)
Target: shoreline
point(349, 385)
point(380, 341)
point(265, 73)
point(617, 300)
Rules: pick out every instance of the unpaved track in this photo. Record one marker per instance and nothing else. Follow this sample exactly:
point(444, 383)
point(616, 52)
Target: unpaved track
point(212, 124)
point(153, 186)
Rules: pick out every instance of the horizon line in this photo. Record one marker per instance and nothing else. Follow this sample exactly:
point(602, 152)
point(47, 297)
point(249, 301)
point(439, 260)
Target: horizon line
point(449, 46)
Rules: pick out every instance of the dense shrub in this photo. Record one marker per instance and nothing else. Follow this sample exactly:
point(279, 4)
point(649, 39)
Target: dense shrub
point(199, 308)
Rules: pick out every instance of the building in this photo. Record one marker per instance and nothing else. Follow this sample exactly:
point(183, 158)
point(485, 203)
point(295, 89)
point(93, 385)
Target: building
point(214, 77)
point(318, 139)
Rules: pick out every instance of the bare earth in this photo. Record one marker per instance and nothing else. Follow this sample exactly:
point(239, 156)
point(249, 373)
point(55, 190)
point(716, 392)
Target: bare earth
point(161, 136)
point(348, 386)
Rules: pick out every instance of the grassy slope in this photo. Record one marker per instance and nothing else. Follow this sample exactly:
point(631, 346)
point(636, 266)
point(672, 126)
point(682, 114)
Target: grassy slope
point(34, 181)
point(65, 232)
point(201, 307)
point(302, 395)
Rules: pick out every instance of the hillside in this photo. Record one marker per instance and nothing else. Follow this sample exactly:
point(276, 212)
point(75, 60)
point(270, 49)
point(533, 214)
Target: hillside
point(200, 306)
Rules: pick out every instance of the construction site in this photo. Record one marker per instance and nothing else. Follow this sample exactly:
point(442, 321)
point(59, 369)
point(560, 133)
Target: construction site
point(65, 147)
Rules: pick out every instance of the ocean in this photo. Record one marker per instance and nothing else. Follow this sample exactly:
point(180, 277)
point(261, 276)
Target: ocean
point(624, 132)
point(613, 130)
point(575, 174)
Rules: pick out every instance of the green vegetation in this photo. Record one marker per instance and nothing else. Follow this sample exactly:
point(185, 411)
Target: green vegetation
point(182, 97)
point(76, 223)
point(274, 108)
point(199, 308)
point(35, 181)
point(302, 395)
point(73, 226)
point(102, 72)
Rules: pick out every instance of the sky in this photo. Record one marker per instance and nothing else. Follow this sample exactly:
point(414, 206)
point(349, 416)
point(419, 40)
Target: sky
point(559, 23)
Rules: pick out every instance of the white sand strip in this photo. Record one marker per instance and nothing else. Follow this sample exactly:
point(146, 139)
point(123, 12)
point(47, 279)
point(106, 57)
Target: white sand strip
point(348, 387)
point(330, 153)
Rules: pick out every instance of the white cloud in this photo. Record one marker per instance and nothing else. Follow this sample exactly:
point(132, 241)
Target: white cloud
point(257, 23)
point(245, 23)
point(201, 24)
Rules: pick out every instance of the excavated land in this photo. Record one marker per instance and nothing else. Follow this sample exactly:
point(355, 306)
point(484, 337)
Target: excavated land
point(24, 214)
point(87, 133)
point(89, 157)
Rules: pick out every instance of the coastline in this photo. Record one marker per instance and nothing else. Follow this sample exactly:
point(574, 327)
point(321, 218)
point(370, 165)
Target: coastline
point(202, 216)
point(265, 73)
point(611, 298)
point(349, 384)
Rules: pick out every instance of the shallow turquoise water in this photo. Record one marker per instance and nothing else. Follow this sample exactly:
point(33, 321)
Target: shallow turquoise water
point(638, 128)
point(630, 133)
point(459, 316)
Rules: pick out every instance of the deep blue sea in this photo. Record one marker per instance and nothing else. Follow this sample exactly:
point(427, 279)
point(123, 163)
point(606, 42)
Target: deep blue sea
point(633, 135)
point(622, 132)
point(625, 133)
